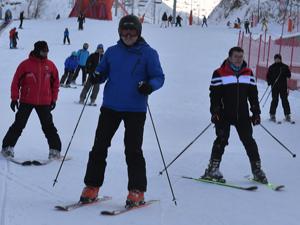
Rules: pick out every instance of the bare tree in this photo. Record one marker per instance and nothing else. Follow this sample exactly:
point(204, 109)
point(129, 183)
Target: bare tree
point(35, 7)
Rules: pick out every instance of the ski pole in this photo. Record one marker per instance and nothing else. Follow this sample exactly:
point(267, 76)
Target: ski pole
point(293, 154)
point(267, 98)
point(162, 156)
point(271, 89)
point(55, 180)
point(262, 97)
point(202, 132)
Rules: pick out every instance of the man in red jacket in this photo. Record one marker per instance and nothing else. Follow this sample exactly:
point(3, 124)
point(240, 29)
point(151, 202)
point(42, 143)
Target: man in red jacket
point(34, 86)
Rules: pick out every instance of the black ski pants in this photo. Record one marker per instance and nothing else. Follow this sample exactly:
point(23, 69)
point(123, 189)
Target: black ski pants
point(68, 75)
point(283, 93)
point(45, 116)
point(109, 121)
point(83, 68)
point(244, 130)
point(88, 84)
point(66, 38)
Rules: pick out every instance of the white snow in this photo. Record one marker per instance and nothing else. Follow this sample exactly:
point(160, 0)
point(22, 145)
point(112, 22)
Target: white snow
point(180, 109)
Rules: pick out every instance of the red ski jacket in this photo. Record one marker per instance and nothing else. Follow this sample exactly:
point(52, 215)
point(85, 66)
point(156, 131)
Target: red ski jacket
point(35, 82)
point(12, 33)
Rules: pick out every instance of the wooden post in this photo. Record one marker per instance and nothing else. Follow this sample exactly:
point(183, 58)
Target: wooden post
point(249, 52)
point(269, 51)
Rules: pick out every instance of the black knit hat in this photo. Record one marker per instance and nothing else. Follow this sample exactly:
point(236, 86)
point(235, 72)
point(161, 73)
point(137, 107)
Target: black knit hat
point(130, 22)
point(41, 46)
point(277, 56)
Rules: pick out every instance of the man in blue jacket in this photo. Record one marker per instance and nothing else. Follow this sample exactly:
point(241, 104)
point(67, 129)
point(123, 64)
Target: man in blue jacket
point(71, 63)
point(132, 71)
point(82, 56)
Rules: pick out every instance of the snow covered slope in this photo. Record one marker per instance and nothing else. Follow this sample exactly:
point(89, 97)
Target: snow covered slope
point(180, 110)
point(229, 10)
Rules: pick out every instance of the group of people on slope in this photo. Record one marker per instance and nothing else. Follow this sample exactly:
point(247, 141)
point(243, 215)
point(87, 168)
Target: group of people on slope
point(132, 71)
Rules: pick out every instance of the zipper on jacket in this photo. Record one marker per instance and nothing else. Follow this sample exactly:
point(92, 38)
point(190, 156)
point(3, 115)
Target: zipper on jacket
point(238, 97)
point(39, 89)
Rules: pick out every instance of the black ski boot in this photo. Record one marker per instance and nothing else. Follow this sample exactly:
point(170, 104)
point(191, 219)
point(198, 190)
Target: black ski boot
point(272, 118)
point(258, 173)
point(212, 172)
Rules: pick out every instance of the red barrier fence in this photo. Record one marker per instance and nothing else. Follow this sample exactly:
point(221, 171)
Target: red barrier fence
point(259, 53)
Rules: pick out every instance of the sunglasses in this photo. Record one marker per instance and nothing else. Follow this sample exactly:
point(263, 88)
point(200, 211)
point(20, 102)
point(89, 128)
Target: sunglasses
point(128, 33)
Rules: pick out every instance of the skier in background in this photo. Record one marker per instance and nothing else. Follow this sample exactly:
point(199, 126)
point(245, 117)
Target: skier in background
point(232, 89)
point(34, 86)
point(12, 37)
point(204, 21)
point(66, 36)
point(91, 64)
point(170, 21)
point(21, 20)
point(264, 25)
point(246, 26)
point(80, 20)
point(82, 55)
point(277, 76)
point(164, 20)
point(71, 63)
point(178, 21)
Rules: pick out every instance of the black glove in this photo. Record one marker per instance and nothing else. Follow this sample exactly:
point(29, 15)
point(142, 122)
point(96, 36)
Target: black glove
point(255, 119)
point(52, 106)
point(95, 78)
point(14, 104)
point(215, 118)
point(145, 88)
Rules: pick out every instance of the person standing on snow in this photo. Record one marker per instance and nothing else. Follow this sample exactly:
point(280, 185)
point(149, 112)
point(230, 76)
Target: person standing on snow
point(21, 20)
point(277, 76)
point(170, 21)
point(132, 70)
point(82, 55)
point(232, 88)
point(80, 20)
point(71, 63)
point(66, 36)
point(91, 64)
point(246, 26)
point(164, 20)
point(12, 37)
point(204, 21)
point(34, 86)
point(178, 21)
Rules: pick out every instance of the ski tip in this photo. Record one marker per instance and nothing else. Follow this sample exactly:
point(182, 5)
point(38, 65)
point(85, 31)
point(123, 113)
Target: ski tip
point(294, 155)
point(252, 188)
point(279, 188)
point(61, 208)
point(108, 213)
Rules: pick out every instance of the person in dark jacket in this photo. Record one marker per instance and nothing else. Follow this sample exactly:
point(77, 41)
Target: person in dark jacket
point(80, 20)
point(21, 20)
point(170, 21)
point(12, 36)
point(66, 36)
point(232, 89)
point(34, 86)
point(132, 71)
point(178, 21)
point(247, 26)
point(204, 21)
point(82, 55)
point(164, 20)
point(91, 64)
point(15, 38)
point(71, 63)
point(277, 76)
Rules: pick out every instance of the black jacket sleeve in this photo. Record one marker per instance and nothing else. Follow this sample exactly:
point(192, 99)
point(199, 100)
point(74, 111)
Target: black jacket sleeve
point(253, 97)
point(215, 95)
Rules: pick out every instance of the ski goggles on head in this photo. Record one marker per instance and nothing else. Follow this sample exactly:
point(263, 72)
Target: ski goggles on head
point(128, 32)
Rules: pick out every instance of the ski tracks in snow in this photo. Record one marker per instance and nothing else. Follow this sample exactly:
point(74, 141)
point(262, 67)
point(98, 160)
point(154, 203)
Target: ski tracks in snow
point(3, 194)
